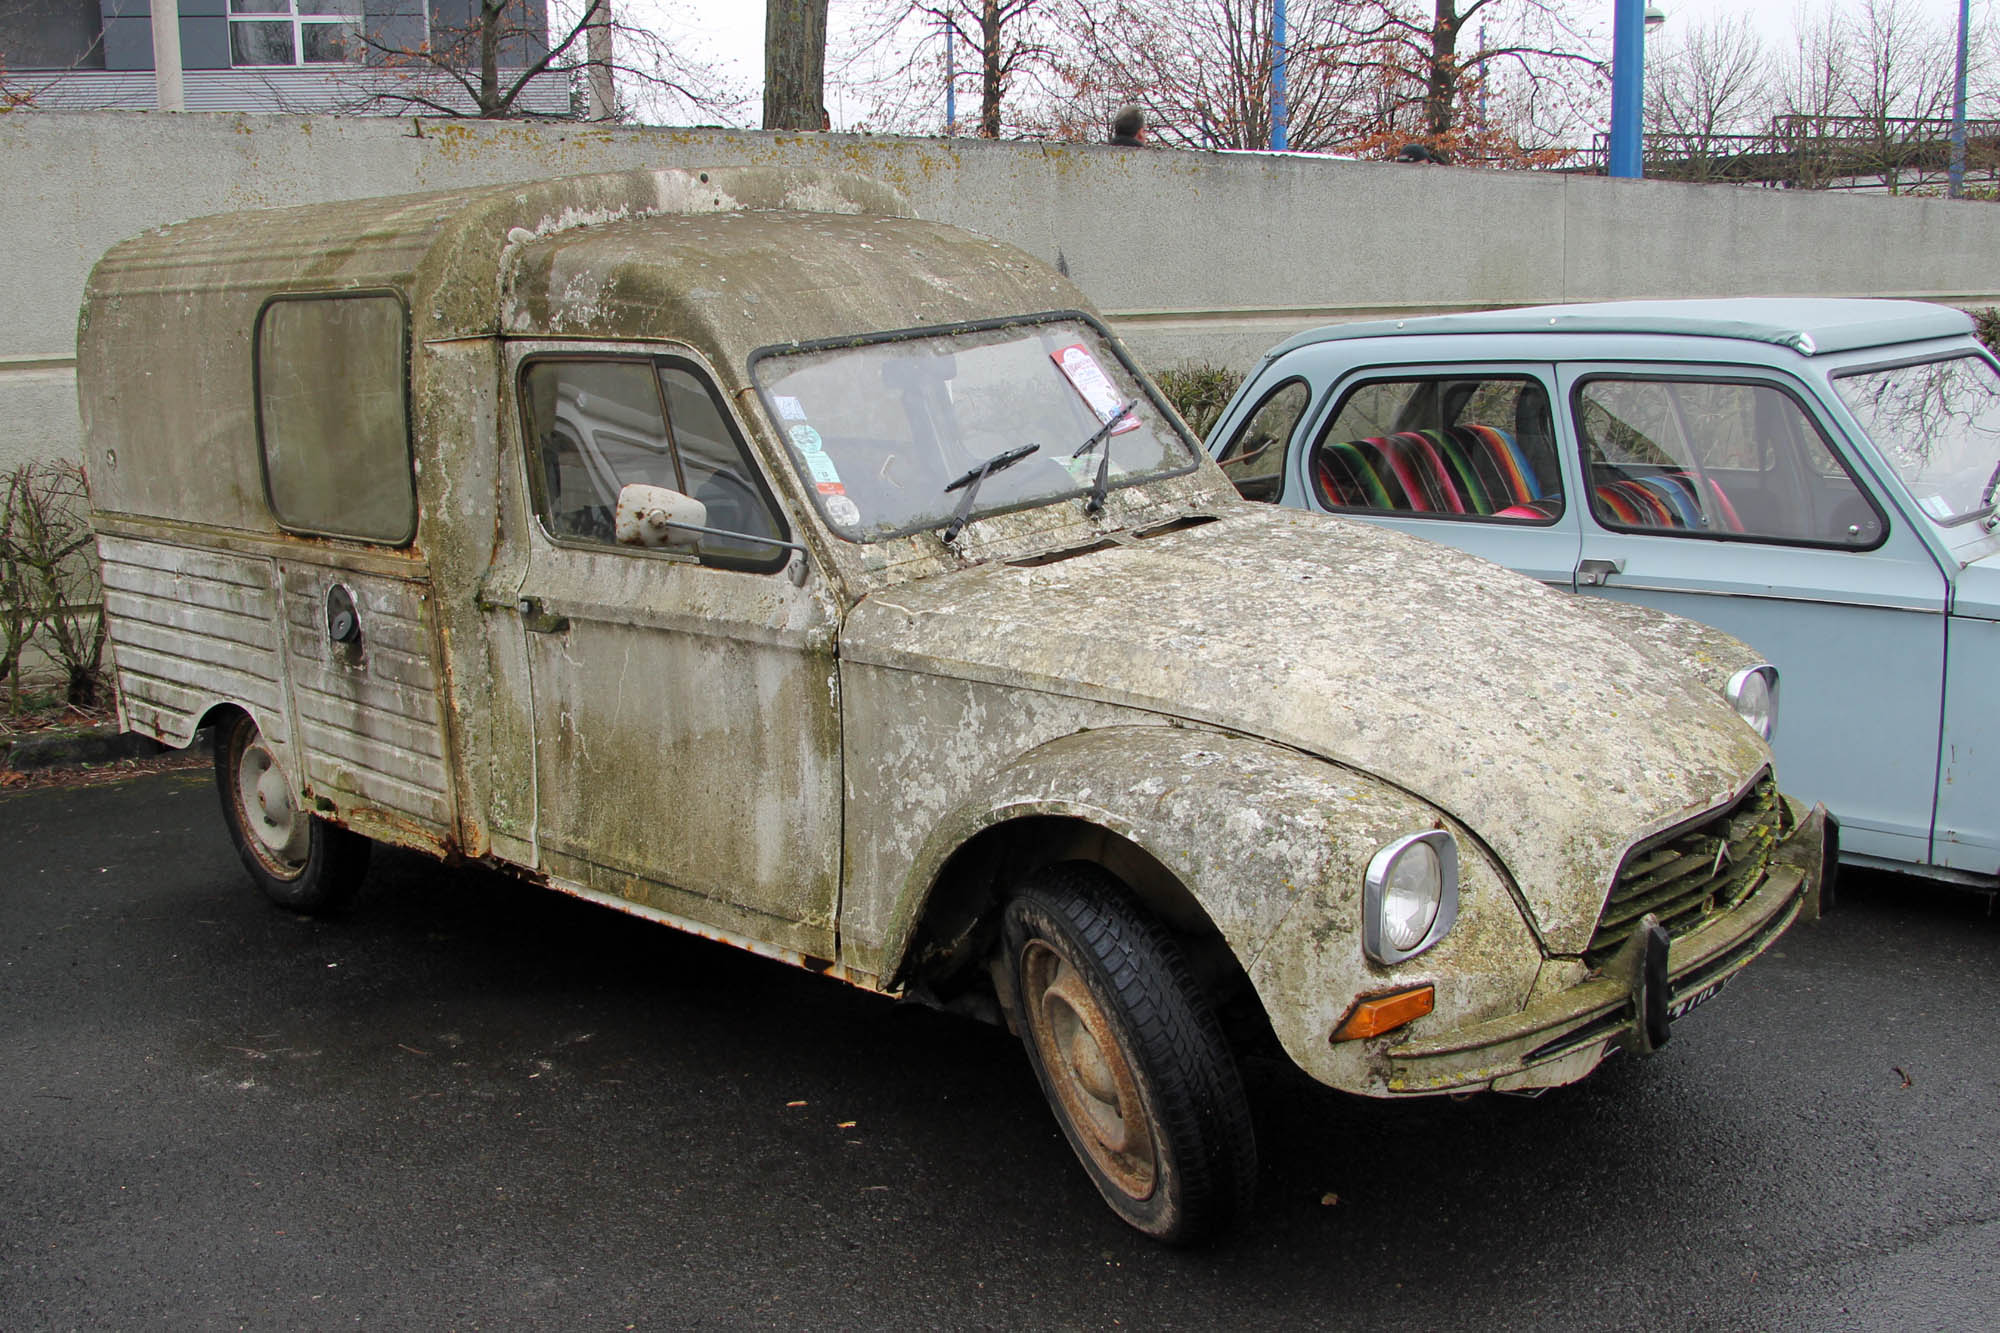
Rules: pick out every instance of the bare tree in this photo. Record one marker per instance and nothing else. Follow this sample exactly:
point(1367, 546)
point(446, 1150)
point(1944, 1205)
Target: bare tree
point(910, 48)
point(1431, 58)
point(795, 64)
point(1865, 92)
point(484, 66)
point(1202, 70)
point(1362, 76)
point(1708, 91)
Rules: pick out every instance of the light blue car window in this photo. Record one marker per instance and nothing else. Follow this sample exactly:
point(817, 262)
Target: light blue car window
point(1938, 424)
point(1702, 458)
point(1450, 447)
point(1255, 456)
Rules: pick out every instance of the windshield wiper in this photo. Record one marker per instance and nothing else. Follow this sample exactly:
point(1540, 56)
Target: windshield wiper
point(1102, 434)
point(976, 474)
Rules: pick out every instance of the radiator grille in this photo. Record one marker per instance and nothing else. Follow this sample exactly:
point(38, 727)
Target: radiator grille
point(1694, 874)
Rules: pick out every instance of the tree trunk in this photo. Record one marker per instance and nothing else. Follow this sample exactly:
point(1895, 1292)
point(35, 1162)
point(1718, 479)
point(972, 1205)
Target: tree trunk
point(794, 64)
point(989, 82)
point(490, 13)
point(601, 84)
point(1441, 81)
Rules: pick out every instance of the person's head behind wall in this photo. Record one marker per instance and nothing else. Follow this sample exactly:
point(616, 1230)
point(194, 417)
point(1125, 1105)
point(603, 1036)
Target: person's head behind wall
point(1128, 127)
point(1416, 152)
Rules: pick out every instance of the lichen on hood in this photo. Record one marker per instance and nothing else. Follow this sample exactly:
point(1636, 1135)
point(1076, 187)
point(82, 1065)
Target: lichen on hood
point(1553, 738)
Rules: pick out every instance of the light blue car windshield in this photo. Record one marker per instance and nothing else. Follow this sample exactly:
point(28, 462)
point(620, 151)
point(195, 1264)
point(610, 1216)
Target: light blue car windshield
point(880, 428)
point(1938, 425)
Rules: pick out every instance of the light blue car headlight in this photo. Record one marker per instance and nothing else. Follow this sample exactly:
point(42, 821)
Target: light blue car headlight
point(1409, 898)
point(1753, 693)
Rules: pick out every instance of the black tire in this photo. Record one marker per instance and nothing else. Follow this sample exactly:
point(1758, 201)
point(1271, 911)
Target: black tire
point(1129, 1054)
point(301, 862)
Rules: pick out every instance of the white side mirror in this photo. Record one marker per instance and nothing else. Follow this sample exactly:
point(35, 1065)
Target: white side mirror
point(654, 516)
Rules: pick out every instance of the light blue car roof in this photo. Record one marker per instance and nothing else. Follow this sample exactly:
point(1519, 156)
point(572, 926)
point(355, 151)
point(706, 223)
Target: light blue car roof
point(1808, 325)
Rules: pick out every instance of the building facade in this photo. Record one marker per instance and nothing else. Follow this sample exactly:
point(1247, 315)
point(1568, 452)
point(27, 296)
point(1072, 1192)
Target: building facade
point(388, 57)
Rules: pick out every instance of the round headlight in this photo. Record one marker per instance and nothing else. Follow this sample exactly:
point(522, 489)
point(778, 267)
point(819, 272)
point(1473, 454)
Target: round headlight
point(1753, 692)
point(1410, 897)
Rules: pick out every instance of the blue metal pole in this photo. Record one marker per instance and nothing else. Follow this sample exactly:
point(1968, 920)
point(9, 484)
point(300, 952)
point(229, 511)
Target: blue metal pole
point(1957, 174)
point(1278, 57)
point(950, 82)
point(1628, 88)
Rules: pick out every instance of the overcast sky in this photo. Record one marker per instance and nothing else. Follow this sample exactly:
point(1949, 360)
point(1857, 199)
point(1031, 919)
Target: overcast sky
point(731, 32)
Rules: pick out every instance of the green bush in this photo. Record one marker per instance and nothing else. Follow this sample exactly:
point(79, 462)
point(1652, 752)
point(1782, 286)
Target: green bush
point(1198, 392)
point(1986, 325)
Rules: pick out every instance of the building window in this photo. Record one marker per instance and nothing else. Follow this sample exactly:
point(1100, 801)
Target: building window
point(294, 32)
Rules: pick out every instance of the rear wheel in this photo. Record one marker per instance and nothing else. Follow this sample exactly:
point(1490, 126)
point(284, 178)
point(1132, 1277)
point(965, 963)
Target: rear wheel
point(1129, 1054)
point(300, 862)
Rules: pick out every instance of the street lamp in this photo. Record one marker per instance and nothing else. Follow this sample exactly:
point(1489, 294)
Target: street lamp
point(1631, 21)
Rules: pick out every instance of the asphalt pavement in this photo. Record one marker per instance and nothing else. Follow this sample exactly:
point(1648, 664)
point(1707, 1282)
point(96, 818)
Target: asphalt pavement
point(477, 1105)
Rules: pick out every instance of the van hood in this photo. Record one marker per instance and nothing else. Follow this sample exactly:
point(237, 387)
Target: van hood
point(1537, 726)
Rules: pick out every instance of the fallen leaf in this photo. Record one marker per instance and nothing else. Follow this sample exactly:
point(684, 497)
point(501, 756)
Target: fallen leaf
point(1901, 1075)
point(1328, 1200)
point(795, 1103)
point(845, 1124)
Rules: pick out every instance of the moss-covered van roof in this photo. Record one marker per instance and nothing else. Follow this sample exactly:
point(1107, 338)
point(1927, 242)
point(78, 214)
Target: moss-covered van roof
point(1810, 325)
point(730, 283)
point(725, 259)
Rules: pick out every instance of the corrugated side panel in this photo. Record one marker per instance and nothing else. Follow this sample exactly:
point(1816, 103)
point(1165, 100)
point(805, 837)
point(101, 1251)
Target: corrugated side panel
point(370, 722)
point(190, 629)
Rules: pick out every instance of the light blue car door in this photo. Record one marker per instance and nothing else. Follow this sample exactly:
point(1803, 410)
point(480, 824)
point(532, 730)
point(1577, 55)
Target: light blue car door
point(1723, 496)
point(1467, 456)
point(1967, 837)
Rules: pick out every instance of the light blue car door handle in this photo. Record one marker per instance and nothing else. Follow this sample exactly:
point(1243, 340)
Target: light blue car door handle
point(1596, 573)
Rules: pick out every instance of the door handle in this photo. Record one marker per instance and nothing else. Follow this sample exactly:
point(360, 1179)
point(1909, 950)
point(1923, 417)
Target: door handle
point(1597, 573)
point(535, 620)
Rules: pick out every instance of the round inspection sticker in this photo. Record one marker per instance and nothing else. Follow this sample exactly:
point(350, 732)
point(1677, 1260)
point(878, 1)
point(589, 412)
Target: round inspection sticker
point(843, 511)
point(807, 439)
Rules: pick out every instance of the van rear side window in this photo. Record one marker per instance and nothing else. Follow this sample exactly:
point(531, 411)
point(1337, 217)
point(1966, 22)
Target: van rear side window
point(333, 417)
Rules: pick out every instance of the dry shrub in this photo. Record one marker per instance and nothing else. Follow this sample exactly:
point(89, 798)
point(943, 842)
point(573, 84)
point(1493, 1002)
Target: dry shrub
point(50, 593)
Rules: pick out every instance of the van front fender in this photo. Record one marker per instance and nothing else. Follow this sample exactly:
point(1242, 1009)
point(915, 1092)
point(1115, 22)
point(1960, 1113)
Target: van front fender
point(1251, 831)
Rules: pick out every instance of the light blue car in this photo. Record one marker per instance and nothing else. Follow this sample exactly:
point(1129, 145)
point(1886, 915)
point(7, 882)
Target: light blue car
point(1816, 477)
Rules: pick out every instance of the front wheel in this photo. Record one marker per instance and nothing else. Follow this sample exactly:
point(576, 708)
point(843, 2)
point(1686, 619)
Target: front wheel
point(300, 862)
point(1129, 1054)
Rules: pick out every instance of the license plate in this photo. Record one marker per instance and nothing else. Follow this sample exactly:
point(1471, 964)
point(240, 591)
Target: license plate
point(1687, 1002)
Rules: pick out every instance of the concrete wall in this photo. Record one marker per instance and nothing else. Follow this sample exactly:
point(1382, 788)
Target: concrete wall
point(1195, 256)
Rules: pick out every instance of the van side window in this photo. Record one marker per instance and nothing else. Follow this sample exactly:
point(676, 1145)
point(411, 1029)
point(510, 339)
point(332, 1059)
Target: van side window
point(1463, 447)
point(333, 416)
point(595, 426)
point(1706, 458)
point(1254, 459)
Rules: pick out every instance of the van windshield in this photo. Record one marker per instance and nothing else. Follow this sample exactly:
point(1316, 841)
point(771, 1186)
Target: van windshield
point(1938, 425)
point(880, 428)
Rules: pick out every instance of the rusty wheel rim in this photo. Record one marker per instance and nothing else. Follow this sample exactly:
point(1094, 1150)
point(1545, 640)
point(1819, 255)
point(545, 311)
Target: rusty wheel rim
point(279, 833)
point(1089, 1071)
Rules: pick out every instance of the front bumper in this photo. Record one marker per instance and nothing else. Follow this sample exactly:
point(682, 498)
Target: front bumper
point(1563, 1035)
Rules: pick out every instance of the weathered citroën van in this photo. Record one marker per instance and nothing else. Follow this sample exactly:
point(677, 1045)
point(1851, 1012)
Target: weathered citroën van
point(731, 549)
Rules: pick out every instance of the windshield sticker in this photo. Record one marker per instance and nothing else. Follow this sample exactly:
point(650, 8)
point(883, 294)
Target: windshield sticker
point(843, 511)
point(822, 469)
point(1088, 378)
point(789, 407)
point(1936, 506)
point(807, 440)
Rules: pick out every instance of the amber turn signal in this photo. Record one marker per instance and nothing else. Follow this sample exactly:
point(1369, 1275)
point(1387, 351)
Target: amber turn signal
point(1381, 1013)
